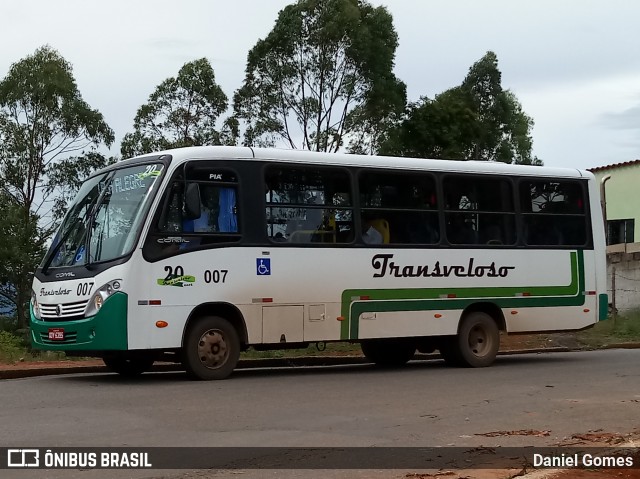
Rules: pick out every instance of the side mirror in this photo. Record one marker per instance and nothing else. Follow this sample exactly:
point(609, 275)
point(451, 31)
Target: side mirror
point(192, 201)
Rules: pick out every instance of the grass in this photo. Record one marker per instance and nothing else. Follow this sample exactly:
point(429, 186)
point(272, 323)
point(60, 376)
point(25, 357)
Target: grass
point(14, 348)
point(621, 328)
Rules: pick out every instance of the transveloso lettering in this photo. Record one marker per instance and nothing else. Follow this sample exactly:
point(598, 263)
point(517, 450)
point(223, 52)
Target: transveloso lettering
point(54, 292)
point(384, 266)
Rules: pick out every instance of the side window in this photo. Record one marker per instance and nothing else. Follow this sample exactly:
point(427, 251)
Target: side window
point(218, 210)
point(553, 213)
point(172, 232)
point(620, 231)
point(398, 208)
point(479, 211)
point(308, 205)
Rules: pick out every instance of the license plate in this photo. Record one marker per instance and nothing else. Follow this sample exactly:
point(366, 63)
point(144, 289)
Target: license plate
point(56, 334)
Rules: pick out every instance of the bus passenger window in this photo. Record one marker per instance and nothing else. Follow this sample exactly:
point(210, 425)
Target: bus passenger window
point(405, 203)
point(479, 210)
point(554, 213)
point(308, 205)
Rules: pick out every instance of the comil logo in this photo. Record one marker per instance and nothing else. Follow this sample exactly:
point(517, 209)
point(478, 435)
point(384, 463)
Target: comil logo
point(23, 458)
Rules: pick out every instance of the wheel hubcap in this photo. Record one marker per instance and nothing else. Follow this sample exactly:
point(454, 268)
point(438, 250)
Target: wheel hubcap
point(212, 349)
point(479, 341)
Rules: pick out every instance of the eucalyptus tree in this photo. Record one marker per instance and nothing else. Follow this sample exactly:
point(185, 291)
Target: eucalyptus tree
point(182, 111)
point(44, 122)
point(322, 79)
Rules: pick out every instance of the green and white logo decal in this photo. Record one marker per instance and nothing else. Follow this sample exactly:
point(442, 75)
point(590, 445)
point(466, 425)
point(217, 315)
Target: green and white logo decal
point(176, 277)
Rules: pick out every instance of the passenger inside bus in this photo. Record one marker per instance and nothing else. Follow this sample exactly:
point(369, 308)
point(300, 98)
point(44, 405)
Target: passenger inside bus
point(460, 230)
point(218, 212)
point(375, 231)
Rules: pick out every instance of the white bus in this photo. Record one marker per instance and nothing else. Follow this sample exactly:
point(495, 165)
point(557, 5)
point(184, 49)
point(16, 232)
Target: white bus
point(194, 255)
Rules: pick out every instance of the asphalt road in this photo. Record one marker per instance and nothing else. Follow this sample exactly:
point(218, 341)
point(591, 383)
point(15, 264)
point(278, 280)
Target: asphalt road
point(425, 404)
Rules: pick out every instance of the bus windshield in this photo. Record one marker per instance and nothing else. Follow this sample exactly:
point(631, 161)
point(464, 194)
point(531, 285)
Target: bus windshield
point(102, 221)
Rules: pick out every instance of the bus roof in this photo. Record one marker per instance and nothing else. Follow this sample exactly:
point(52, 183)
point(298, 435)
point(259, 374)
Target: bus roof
point(344, 159)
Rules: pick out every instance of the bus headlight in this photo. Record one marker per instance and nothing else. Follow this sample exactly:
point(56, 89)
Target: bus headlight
point(100, 296)
point(35, 307)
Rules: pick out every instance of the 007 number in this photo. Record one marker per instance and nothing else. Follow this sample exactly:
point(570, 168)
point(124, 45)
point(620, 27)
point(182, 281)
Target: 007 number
point(215, 275)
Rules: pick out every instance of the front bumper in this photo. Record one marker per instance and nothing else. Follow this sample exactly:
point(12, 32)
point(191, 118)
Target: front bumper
point(107, 330)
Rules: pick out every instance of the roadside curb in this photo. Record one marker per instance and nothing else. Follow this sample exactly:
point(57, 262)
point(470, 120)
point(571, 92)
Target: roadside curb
point(309, 361)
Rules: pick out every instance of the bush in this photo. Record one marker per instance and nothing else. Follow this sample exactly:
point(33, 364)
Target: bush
point(8, 323)
point(11, 347)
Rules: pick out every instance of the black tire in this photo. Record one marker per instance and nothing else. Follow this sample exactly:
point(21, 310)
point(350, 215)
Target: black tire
point(211, 348)
point(478, 340)
point(128, 366)
point(388, 353)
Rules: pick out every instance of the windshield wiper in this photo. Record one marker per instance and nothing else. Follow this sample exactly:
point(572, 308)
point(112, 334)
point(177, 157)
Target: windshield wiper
point(92, 218)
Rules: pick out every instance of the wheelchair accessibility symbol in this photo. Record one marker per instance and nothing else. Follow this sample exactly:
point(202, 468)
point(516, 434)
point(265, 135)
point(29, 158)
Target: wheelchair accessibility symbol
point(263, 266)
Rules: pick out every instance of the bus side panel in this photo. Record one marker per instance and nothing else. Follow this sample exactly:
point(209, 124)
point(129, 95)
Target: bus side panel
point(291, 294)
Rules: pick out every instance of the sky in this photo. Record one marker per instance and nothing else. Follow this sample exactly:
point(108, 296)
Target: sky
point(574, 65)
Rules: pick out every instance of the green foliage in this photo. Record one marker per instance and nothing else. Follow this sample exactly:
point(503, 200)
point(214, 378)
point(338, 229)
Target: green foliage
point(21, 250)
point(43, 122)
point(619, 329)
point(476, 120)
point(182, 111)
point(322, 78)
point(42, 118)
point(11, 347)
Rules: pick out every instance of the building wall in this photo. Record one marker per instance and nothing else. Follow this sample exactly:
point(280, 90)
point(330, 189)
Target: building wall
point(622, 193)
point(623, 276)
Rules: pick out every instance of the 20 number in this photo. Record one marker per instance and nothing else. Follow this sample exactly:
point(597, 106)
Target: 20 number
point(171, 272)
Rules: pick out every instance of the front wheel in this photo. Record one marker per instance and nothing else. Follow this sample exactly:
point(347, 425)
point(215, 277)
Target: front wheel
point(477, 342)
point(128, 366)
point(211, 348)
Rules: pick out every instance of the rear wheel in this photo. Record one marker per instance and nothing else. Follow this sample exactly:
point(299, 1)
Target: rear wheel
point(388, 352)
point(211, 348)
point(476, 344)
point(129, 366)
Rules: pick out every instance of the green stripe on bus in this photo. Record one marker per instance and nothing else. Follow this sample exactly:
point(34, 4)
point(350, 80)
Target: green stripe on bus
point(603, 307)
point(425, 299)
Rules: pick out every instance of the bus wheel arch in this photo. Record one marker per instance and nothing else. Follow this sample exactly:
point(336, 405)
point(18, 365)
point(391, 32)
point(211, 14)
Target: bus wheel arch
point(224, 310)
point(489, 308)
point(478, 339)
